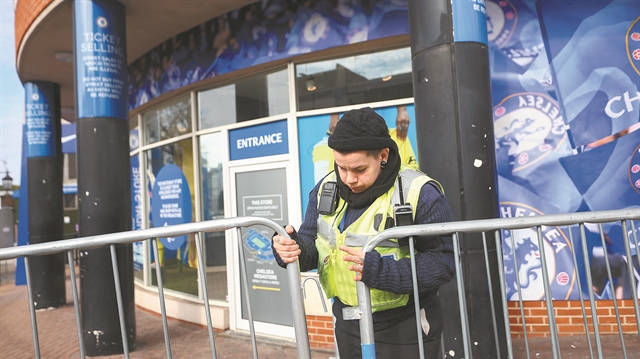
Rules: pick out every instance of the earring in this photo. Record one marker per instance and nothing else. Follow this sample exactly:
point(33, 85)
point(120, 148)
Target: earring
point(383, 164)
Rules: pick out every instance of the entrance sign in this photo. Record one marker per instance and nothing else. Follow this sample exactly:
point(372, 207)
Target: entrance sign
point(258, 141)
point(100, 59)
point(171, 202)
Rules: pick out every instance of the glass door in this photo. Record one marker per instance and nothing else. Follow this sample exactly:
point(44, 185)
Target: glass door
point(261, 191)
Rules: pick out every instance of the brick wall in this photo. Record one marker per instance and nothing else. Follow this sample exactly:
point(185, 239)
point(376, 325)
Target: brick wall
point(569, 320)
point(26, 12)
point(320, 331)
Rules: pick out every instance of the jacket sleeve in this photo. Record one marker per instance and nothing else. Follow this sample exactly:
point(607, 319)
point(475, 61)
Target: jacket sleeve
point(306, 236)
point(434, 260)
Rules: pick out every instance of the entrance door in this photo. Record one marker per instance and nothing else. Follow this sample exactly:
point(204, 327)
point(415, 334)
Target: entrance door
point(261, 191)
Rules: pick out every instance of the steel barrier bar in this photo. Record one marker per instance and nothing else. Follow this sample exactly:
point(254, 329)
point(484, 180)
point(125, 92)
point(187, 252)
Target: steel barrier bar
point(503, 293)
point(493, 303)
point(205, 293)
point(613, 289)
point(247, 296)
point(163, 307)
point(634, 290)
point(466, 337)
point(116, 281)
point(555, 345)
point(584, 311)
point(436, 229)
point(76, 306)
point(474, 226)
point(520, 302)
point(592, 302)
point(416, 296)
point(32, 308)
point(97, 241)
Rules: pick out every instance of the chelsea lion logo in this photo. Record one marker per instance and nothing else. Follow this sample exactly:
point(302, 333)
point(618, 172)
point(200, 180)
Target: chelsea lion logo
point(528, 126)
point(523, 261)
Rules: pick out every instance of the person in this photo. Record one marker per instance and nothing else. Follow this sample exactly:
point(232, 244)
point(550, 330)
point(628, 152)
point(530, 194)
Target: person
point(322, 155)
point(399, 135)
point(367, 173)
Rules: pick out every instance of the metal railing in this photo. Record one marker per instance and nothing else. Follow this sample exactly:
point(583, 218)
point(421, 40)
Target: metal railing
point(89, 242)
point(497, 226)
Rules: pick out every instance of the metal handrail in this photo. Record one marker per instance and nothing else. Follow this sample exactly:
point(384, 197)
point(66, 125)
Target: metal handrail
point(364, 312)
point(111, 239)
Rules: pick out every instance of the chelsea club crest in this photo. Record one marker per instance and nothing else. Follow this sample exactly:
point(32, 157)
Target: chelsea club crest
point(528, 126)
point(523, 262)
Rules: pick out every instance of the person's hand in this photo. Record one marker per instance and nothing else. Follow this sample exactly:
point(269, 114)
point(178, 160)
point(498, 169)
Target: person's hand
point(402, 123)
point(356, 257)
point(287, 249)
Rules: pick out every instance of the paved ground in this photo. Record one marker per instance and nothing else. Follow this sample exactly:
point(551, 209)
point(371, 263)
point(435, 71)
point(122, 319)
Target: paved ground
point(58, 338)
point(58, 335)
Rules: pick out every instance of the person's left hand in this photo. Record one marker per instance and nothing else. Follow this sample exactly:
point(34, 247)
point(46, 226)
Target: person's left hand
point(356, 257)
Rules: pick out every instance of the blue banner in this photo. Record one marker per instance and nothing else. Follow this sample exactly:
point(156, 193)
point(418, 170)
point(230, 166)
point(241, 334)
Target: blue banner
point(522, 252)
point(262, 32)
point(469, 21)
point(258, 141)
point(567, 133)
point(171, 202)
point(513, 28)
point(68, 138)
point(593, 48)
point(100, 59)
point(40, 112)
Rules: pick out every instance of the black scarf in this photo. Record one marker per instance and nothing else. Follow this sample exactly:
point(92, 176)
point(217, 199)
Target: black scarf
point(383, 183)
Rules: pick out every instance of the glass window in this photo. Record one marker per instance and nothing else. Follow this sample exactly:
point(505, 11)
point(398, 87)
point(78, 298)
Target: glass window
point(69, 170)
point(180, 265)
point(70, 201)
point(212, 152)
point(246, 99)
point(173, 119)
point(354, 80)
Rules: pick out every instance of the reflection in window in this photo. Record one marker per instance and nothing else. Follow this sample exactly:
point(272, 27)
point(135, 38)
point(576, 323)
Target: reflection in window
point(246, 99)
point(173, 119)
point(212, 152)
point(354, 80)
point(179, 267)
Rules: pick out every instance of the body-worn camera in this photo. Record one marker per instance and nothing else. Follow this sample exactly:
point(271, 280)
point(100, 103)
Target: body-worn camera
point(328, 198)
point(403, 216)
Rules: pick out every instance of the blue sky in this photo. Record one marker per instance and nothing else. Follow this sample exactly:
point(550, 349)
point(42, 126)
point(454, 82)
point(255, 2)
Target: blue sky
point(11, 97)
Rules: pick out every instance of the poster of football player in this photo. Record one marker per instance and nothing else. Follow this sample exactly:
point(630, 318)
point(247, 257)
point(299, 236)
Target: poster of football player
point(316, 158)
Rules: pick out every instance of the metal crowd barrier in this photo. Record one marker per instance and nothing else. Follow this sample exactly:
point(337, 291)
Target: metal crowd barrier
point(69, 245)
point(363, 311)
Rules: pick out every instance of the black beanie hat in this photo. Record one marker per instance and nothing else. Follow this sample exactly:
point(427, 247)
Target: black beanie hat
point(361, 129)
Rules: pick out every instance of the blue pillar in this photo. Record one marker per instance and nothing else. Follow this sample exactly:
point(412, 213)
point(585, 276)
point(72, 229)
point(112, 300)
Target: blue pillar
point(44, 178)
point(454, 122)
point(104, 191)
